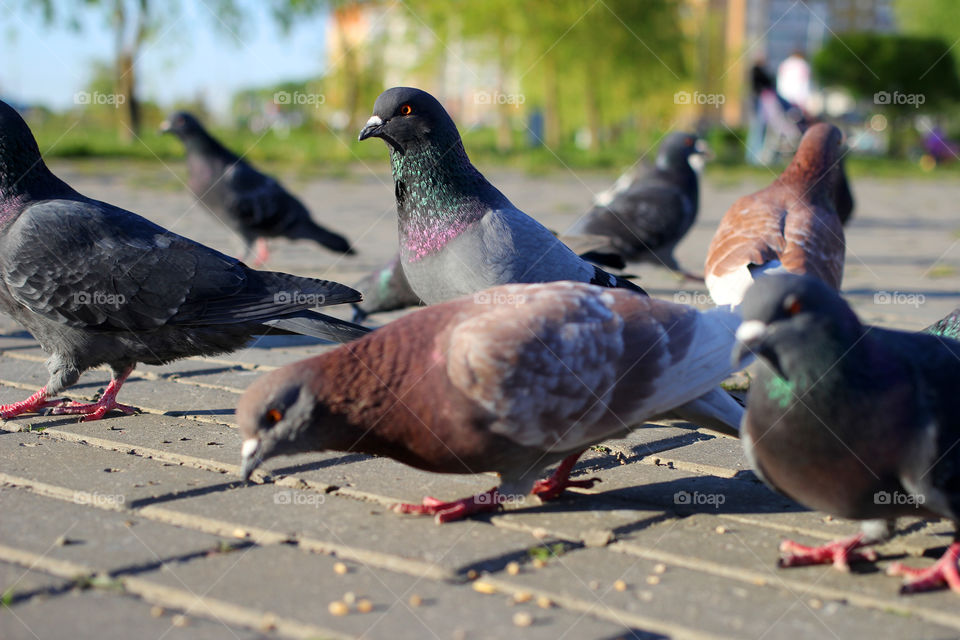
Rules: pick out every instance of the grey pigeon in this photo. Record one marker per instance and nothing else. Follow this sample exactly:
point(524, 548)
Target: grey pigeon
point(646, 215)
point(511, 381)
point(854, 420)
point(251, 203)
point(96, 284)
point(458, 233)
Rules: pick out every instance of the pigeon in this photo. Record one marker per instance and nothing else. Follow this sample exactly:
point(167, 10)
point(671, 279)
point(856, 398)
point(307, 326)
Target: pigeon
point(386, 289)
point(645, 216)
point(791, 226)
point(854, 420)
point(96, 284)
point(511, 380)
point(458, 233)
point(947, 327)
point(843, 200)
point(251, 203)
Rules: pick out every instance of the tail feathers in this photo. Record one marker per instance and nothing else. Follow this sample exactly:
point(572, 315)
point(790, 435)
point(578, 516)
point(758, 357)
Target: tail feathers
point(318, 293)
point(716, 410)
point(318, 325)
point(310, 230)
point(605, 259)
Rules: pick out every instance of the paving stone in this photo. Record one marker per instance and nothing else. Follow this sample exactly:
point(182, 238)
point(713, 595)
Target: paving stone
point(18, 583)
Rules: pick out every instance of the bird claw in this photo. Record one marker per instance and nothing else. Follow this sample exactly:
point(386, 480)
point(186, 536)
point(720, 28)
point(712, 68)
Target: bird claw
point(943, 572)
point(839, 553)
point(551, 488)
point(30, 405)
point(92, 410)
point(454, 510)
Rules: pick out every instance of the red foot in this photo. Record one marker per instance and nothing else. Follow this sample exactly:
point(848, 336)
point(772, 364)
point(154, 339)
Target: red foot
point(34, 403)
point(554, 486)
point(943, 572)
point(456, 510)
point(96, 410)
point(262, 253)
point(840, 553)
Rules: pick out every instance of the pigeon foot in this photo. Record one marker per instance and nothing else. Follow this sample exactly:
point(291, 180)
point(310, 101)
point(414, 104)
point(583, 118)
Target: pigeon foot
point(555, 485)
point(943, 572)
point(839, 553)
point(35, 403)
point(456, 510)
point(96, 410)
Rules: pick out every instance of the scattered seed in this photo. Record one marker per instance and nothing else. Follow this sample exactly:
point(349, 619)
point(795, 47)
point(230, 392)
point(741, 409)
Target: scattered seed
point(721, 529)
point(338, 608)
point(156, 612)
point(594, 584)
point(522, 596)
point(472, 574)
point(364, 606)
point(539, 563)
point(350, 597)
point(513, 568)
point(620, 585)
point(240, 533)
point(268, 622)
point(646, 596)
point(179, 620)
point(660, 568)
point(484, 587)
point(653, 579)
point(815, 603)
point(544, 602)
point(415, 600)
point(522, 619)
point(340, 569)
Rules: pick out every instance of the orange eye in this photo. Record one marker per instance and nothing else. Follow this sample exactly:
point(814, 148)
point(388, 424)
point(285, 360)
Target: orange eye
point(406, 110)
point(274, 416)
point(793, 306)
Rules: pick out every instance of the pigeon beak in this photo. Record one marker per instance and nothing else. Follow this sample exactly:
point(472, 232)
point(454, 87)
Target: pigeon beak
point(701, 147)
point(250, 457)
point(166, 127)
point(371, 129)
point(750, 336)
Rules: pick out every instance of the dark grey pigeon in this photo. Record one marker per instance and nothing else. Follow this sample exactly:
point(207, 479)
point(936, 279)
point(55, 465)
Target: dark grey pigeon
point(646, 215)
point(251, 203)
point(854, 420)
point(458, 233)
point(96, 284)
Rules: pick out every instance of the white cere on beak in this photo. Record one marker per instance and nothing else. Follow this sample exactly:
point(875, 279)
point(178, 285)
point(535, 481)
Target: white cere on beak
point(750, 330)
point(249, 447)
point(374, 121)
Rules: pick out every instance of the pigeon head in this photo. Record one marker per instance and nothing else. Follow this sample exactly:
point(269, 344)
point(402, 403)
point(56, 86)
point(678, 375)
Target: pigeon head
point(407, 119)
point(22, 170)
point(791, 320)
point(677, 148)
point(817, 160)
point(182, 125)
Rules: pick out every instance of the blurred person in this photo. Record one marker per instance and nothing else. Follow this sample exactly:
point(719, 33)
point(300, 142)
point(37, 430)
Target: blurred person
point(793, 80)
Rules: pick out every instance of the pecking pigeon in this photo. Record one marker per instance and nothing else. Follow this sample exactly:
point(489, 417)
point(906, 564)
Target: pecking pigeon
point(511, 380)
point(854, 420)
point(646, 216)
point(251, 203)
point(458, 233)
point(791, 226)
point(96, 284)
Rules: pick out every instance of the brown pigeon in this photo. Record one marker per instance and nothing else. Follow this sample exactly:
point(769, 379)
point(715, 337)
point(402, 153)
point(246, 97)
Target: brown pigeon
point(510, 380)
point(791, 226)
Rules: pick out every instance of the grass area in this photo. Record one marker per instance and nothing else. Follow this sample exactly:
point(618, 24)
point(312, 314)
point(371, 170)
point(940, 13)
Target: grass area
point(326, 153)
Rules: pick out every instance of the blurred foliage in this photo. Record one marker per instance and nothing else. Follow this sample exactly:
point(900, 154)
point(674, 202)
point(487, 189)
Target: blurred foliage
point(934, 18)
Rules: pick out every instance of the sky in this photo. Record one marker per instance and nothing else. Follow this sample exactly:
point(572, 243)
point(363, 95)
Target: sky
point(189, 57)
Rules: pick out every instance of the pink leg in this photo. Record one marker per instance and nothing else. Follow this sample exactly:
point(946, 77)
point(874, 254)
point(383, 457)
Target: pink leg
point(552, 487)
point(262, 252)
point(100, 408)
point(34, 403)
point(943, 572)
point(839, 552)
point(455, 510)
